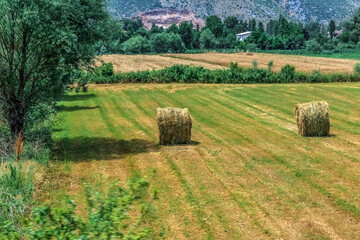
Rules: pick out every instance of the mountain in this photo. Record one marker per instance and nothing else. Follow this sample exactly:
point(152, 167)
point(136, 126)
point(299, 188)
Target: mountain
point(165, 17)
point(264, 10)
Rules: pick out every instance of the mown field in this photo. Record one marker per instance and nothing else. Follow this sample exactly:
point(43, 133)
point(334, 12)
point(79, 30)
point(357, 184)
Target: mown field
point(125, 63)
point(247, 175)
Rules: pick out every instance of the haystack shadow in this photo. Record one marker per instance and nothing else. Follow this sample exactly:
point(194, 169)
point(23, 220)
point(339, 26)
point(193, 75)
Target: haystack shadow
point(77, 97)
point(192, 143)
point(63, 108)
point(80, 149)
point(328, 136)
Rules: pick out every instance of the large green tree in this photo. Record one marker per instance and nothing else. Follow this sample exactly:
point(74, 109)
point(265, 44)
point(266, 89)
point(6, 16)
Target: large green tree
point(42, 43)
point(215, 24)
point(186, 33)
point(208, 40)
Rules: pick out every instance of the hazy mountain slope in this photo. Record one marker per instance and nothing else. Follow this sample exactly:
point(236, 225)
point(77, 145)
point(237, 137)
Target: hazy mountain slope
point(303, 10)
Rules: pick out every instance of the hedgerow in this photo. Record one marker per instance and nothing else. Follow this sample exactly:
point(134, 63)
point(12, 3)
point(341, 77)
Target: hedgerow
point(233, 75)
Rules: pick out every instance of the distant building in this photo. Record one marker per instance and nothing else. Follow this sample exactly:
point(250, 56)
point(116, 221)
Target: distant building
point(337, 33)
point(243, 36)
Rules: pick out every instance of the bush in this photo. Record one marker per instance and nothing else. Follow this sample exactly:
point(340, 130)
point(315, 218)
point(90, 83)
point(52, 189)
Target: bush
point(136, 45)
point(104, 70)
point(16, 196)
point(358, 46)
point(235, 74)
point(357, 69)
point(313, 46)
point(287, 74)
point(110, 216)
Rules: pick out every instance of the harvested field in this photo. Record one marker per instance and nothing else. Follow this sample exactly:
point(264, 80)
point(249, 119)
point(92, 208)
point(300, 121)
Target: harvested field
point(248, 174)
point(129, 63)
point(124, 63)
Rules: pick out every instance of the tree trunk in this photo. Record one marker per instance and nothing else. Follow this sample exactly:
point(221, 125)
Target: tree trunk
point(16, 119)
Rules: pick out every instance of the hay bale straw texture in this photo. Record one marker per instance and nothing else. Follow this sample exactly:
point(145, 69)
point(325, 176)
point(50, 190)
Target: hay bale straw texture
point(313, 119)
point(174, 126)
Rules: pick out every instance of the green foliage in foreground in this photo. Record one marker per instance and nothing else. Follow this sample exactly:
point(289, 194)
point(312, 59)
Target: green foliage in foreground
point(16, 196)
point(234, 75)
point(110, 215)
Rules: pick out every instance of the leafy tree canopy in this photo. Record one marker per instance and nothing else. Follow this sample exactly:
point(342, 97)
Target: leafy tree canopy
point(42, 42)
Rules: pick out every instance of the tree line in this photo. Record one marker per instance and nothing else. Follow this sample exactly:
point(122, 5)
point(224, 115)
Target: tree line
point(128, 36)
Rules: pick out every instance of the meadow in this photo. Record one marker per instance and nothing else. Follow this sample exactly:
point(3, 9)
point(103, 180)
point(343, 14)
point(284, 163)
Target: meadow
point(247, 174)
point(128, 63)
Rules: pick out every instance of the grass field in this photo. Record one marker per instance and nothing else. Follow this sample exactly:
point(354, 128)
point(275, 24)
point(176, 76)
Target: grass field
point(247, 175)
point(124, 63)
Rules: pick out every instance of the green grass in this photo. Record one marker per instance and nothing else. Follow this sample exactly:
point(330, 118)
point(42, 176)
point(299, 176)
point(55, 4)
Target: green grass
point(248, 175)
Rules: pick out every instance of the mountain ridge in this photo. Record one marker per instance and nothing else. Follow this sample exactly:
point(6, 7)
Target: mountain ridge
point(300, 10)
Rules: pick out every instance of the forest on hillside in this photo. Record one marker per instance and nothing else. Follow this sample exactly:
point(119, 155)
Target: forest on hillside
point(128, 36)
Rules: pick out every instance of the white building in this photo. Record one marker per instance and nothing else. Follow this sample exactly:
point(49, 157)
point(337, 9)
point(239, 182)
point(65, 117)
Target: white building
point(243, 36)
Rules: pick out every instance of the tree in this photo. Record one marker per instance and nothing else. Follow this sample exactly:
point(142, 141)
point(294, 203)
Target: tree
point(261, 27)
point(231, 22)
point(158, 43)
point(332, 28)
point(174, 43)
point(135, 24)
point(196, 38)
point(215, 25)
point(42, 43)
point(252, 25)
point(173, 29)
point(272, 27)
point(186, 33)
point(136, 44)
point(155, 29)
point(142, 32)
point(228, 39)
point(351, 29)
point(208, 40)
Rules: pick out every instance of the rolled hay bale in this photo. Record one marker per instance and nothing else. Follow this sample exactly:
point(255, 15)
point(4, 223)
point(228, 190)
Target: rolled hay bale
point(312, 119)
point(174, 126)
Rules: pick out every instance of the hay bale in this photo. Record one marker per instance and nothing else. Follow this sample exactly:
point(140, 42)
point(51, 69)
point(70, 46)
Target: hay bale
point(174, 126)
point(313, 119)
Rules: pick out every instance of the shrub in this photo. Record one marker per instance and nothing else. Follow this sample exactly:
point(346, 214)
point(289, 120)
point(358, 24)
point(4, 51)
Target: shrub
point(104, 70)
point(110, 216)
point(270, 65)
point(16, 196)
point(235, 74)
point(313, 46)
point(287, 74)
point(357, 69)
point(358, 46)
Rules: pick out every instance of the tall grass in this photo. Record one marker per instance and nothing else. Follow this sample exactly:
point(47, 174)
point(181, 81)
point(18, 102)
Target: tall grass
point(16, 197)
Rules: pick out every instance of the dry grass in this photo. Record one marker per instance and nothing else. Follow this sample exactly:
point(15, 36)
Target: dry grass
point(302, 63)
point(313, 119)
point(124, 63)
point(129, 63)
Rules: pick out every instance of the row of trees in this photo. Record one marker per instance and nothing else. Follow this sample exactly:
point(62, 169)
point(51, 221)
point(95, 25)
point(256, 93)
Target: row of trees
point(129, 36)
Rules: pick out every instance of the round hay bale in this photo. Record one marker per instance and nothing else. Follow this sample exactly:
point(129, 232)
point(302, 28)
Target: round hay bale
point(174, 126)
point(313, 119)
